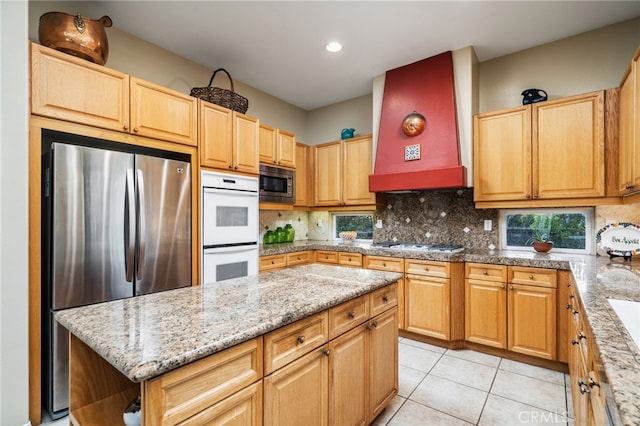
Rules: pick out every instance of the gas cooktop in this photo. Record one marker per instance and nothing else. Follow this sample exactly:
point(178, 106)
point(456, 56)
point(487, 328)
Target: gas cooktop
point(436, 247)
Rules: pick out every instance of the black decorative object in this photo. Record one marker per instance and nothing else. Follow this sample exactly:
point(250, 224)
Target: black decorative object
point(531, 96)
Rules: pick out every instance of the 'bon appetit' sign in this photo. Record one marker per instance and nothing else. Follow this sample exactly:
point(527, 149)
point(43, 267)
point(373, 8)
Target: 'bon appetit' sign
point(620, 239)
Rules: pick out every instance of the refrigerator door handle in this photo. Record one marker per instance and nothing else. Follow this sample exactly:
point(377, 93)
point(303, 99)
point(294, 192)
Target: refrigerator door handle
point(129, 226)
point(142, 224)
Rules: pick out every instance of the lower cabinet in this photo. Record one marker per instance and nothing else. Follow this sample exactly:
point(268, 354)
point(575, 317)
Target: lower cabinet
point(511, 308)
point(391, 264)
point(349, 379)
point(280, 261)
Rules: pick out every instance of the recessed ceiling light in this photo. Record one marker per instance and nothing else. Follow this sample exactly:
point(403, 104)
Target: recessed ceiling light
point(333, 46)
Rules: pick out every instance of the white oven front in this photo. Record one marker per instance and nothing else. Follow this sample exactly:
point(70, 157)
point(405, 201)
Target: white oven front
point(224, 263)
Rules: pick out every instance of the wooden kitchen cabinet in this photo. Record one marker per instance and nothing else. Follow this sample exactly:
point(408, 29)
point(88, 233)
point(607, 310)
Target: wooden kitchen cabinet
point(529, 152)
point(299, 258)
point(272, 262)
point(629, 148)
point(434, 298)
point(342, 171)
point(512, 308)
point(277, 147)
point(391, 264)
point(228, 139)
point(323, 256)
point(383, 382)
point(350, 259)
point(486, 304)
point(68, 88)
point(304, 192)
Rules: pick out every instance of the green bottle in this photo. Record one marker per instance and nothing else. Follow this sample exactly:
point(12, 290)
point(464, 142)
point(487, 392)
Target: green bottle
point(269, 237)
point(280, 235)
point(289, 233)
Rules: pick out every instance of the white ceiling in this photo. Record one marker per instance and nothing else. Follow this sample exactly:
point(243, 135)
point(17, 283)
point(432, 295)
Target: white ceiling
point(278, 46)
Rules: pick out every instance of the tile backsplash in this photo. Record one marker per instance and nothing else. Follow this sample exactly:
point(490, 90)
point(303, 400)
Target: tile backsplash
point(440, 216)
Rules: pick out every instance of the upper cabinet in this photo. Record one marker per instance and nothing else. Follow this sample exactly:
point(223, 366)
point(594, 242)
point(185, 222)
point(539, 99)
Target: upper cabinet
point(68, 88)
point(552, 150)
point(277, 147)
point(303, 180)
point(228, 139)
point(342, 171)
point(629, 98)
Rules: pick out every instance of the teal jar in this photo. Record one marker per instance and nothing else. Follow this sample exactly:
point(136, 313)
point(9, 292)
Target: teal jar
point(280, 235)
point(269, 237)
point(289, 233)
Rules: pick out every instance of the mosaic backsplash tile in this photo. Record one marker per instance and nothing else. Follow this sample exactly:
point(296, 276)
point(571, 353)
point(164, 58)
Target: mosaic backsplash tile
point(440, 216)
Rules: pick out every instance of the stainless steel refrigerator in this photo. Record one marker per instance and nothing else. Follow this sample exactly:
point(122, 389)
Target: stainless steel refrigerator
point(116, 223)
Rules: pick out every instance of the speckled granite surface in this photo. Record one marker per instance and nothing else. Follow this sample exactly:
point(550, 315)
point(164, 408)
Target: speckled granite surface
point(148, 335)
point(597, 279)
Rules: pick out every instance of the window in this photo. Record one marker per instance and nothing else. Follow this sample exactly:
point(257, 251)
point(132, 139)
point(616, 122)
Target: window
point(571, 230)
point(362, 223)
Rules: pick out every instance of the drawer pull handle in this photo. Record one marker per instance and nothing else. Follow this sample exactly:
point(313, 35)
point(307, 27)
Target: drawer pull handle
point(384, 264)
point(593, 383)
point(582, 336)
point(300, 339)
point(326, 352)
point(385, 299)
point(574, 342)
point(351, 314)
point(273, 263)
point(569, 306)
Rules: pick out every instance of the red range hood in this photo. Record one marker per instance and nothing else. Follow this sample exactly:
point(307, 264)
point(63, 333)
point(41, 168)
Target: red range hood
point(431, 159)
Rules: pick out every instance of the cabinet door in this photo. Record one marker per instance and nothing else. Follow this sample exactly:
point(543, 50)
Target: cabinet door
point(485, 318)
point(636, 138)
point(303, 193)
point(286, 149)
point(532, 320)
point(298, 393)
point(568, 141)
point(161, 113)
point(356, 168)
point(268, 144)
point(216, 136)
point(627, 130)
point(245, 143)
point(427, 306)
point(328, 178)
point(502, 155)
point(349, 378)
point(383, 361)
point(72, 89)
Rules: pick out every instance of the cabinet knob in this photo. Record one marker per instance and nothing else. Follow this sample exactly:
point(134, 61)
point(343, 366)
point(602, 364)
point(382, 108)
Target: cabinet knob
point(426, 268)
point(593, 383)
point(501, 285)
point(125, 128)
point(535, 195)
point(135, 130)
point(385, 299)
point(384, 264)
point(301, 339)
point(351, 314)
point(569, 306)
point(574, 342)
point(235, 167)
point(374, 323)
point(326, 352)
point(629, 187)
point(510, 287)
point(530, 277)
point(273, 263)
point(582, 336)
point(583, 387)
point(485, 272)
point(230, 167)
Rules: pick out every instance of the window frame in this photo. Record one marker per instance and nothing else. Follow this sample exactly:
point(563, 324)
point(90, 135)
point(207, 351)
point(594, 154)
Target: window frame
point(334, 215)
point(588, 212)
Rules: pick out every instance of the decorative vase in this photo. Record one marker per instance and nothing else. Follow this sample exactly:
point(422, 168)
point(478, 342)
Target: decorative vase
point(289, 233)
point(280, 235)
point(542, 247)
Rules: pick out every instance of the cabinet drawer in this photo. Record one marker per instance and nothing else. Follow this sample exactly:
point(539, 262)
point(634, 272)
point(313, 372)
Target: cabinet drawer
point(299, 258)
point(350, 259)
point(533, 276)
point(348, 315)
point(191, 389)
point(294, 340)
point(383, 299)
point(427, 267)
point(327, 256)
point(391, 264)
point(275, 261)
point(485, 272)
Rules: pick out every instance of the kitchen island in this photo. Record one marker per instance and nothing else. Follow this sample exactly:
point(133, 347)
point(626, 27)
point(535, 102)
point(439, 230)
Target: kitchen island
point(201, 335)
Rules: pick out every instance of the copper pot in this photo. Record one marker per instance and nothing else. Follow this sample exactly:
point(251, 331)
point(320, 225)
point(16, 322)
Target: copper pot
point(76, 35)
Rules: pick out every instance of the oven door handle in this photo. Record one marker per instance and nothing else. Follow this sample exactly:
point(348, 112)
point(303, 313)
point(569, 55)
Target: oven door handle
point(231, 249)
point(232, 192)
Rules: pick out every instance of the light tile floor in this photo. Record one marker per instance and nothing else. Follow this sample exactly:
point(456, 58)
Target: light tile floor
point(439, 386)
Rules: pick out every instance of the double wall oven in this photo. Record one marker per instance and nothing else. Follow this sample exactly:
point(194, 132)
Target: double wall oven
point(229, 226)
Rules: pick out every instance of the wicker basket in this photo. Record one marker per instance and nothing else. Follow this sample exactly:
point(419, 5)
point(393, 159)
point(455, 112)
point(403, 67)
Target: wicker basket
point(223, 97)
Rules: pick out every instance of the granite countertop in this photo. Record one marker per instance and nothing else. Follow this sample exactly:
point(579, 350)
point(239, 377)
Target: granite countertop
point(597, 279)
point(148, 335)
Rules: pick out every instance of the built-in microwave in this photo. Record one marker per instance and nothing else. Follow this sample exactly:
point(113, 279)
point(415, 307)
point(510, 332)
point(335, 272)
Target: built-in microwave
point(277, 185)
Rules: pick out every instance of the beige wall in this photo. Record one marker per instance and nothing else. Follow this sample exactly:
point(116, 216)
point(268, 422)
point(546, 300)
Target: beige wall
point(584, 63)
point(326, 124)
